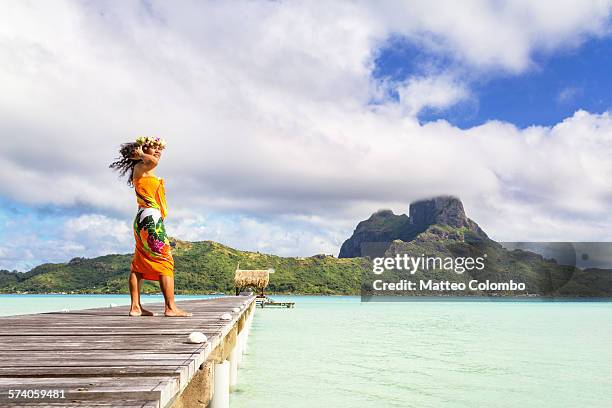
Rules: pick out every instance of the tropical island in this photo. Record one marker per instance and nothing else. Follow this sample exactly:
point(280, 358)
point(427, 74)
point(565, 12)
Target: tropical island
point(437, 227)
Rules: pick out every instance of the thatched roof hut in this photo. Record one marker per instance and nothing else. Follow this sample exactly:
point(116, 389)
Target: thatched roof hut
point(256, 278)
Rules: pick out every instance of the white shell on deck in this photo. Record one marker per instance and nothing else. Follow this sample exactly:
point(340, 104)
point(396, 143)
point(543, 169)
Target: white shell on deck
point(226, 316)
point(236, 309)
point(197, 337)
point(112, 305)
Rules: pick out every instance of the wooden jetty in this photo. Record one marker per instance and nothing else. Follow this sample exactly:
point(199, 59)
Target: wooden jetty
point(269, 302)
point(104, 358)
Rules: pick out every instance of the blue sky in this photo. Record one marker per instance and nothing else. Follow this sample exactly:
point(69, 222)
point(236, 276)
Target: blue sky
point(552, 89)
point(287, 124)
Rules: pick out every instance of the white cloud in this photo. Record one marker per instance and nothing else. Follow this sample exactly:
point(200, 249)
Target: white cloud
point(33, 241)
point(433, 92)
point(265, 107)
point(569, 94)
point(248, 233)
point(97, 231)
point(488, 34)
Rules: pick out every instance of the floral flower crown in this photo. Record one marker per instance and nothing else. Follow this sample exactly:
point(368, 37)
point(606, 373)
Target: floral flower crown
point(151, 141)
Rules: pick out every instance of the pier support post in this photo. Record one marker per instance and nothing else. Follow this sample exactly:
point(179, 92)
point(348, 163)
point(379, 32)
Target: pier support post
point(220, 398)
point(245, 339)
point(247, 330)
point(233, 371)
point(239, 346)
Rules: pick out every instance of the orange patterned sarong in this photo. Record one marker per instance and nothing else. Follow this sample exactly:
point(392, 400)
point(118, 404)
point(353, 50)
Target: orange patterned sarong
point(153, 255)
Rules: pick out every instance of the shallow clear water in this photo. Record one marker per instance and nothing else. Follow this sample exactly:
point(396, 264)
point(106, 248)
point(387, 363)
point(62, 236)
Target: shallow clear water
point(25, 304)
point(339, 352)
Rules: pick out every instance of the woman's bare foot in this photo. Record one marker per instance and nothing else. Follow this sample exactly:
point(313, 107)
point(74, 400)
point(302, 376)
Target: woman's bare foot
point(146, 312)
point(135, 312)
point(176, 312)
point(140, 311)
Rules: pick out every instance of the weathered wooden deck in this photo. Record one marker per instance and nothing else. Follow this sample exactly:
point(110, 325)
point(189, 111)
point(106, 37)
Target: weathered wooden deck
point(103, 357)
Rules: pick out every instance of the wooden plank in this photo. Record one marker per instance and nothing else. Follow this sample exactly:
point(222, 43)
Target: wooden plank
point(115, 354)
point(125, 403)
point(93, 362)
point(94, 389)
point(145, 383)
point(168, 347)
point(90, 371)
point(133, 340)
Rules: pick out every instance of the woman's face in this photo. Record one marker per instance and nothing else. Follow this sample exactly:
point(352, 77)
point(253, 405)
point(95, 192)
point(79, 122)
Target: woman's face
point(153, 151)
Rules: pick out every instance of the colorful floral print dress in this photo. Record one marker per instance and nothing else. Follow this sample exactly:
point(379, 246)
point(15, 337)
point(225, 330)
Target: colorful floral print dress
point(153, 255)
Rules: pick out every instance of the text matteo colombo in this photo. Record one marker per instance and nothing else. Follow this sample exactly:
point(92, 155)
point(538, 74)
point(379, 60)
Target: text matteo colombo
point(458, 265)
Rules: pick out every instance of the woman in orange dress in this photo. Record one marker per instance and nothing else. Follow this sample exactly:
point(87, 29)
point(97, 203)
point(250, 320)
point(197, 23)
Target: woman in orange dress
point(153, 255)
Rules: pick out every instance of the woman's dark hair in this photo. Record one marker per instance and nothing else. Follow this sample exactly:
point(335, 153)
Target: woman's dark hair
point(125, 163)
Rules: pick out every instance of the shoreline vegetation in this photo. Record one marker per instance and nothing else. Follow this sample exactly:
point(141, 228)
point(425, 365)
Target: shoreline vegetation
point(201, 268)
point(207, 268)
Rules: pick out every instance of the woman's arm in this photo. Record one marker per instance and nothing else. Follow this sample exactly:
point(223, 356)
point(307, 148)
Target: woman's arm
point(148, 161)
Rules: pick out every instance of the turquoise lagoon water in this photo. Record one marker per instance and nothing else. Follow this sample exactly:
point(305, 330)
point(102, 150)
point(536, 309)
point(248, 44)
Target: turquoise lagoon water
point(339, 352)
point(25, 304)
